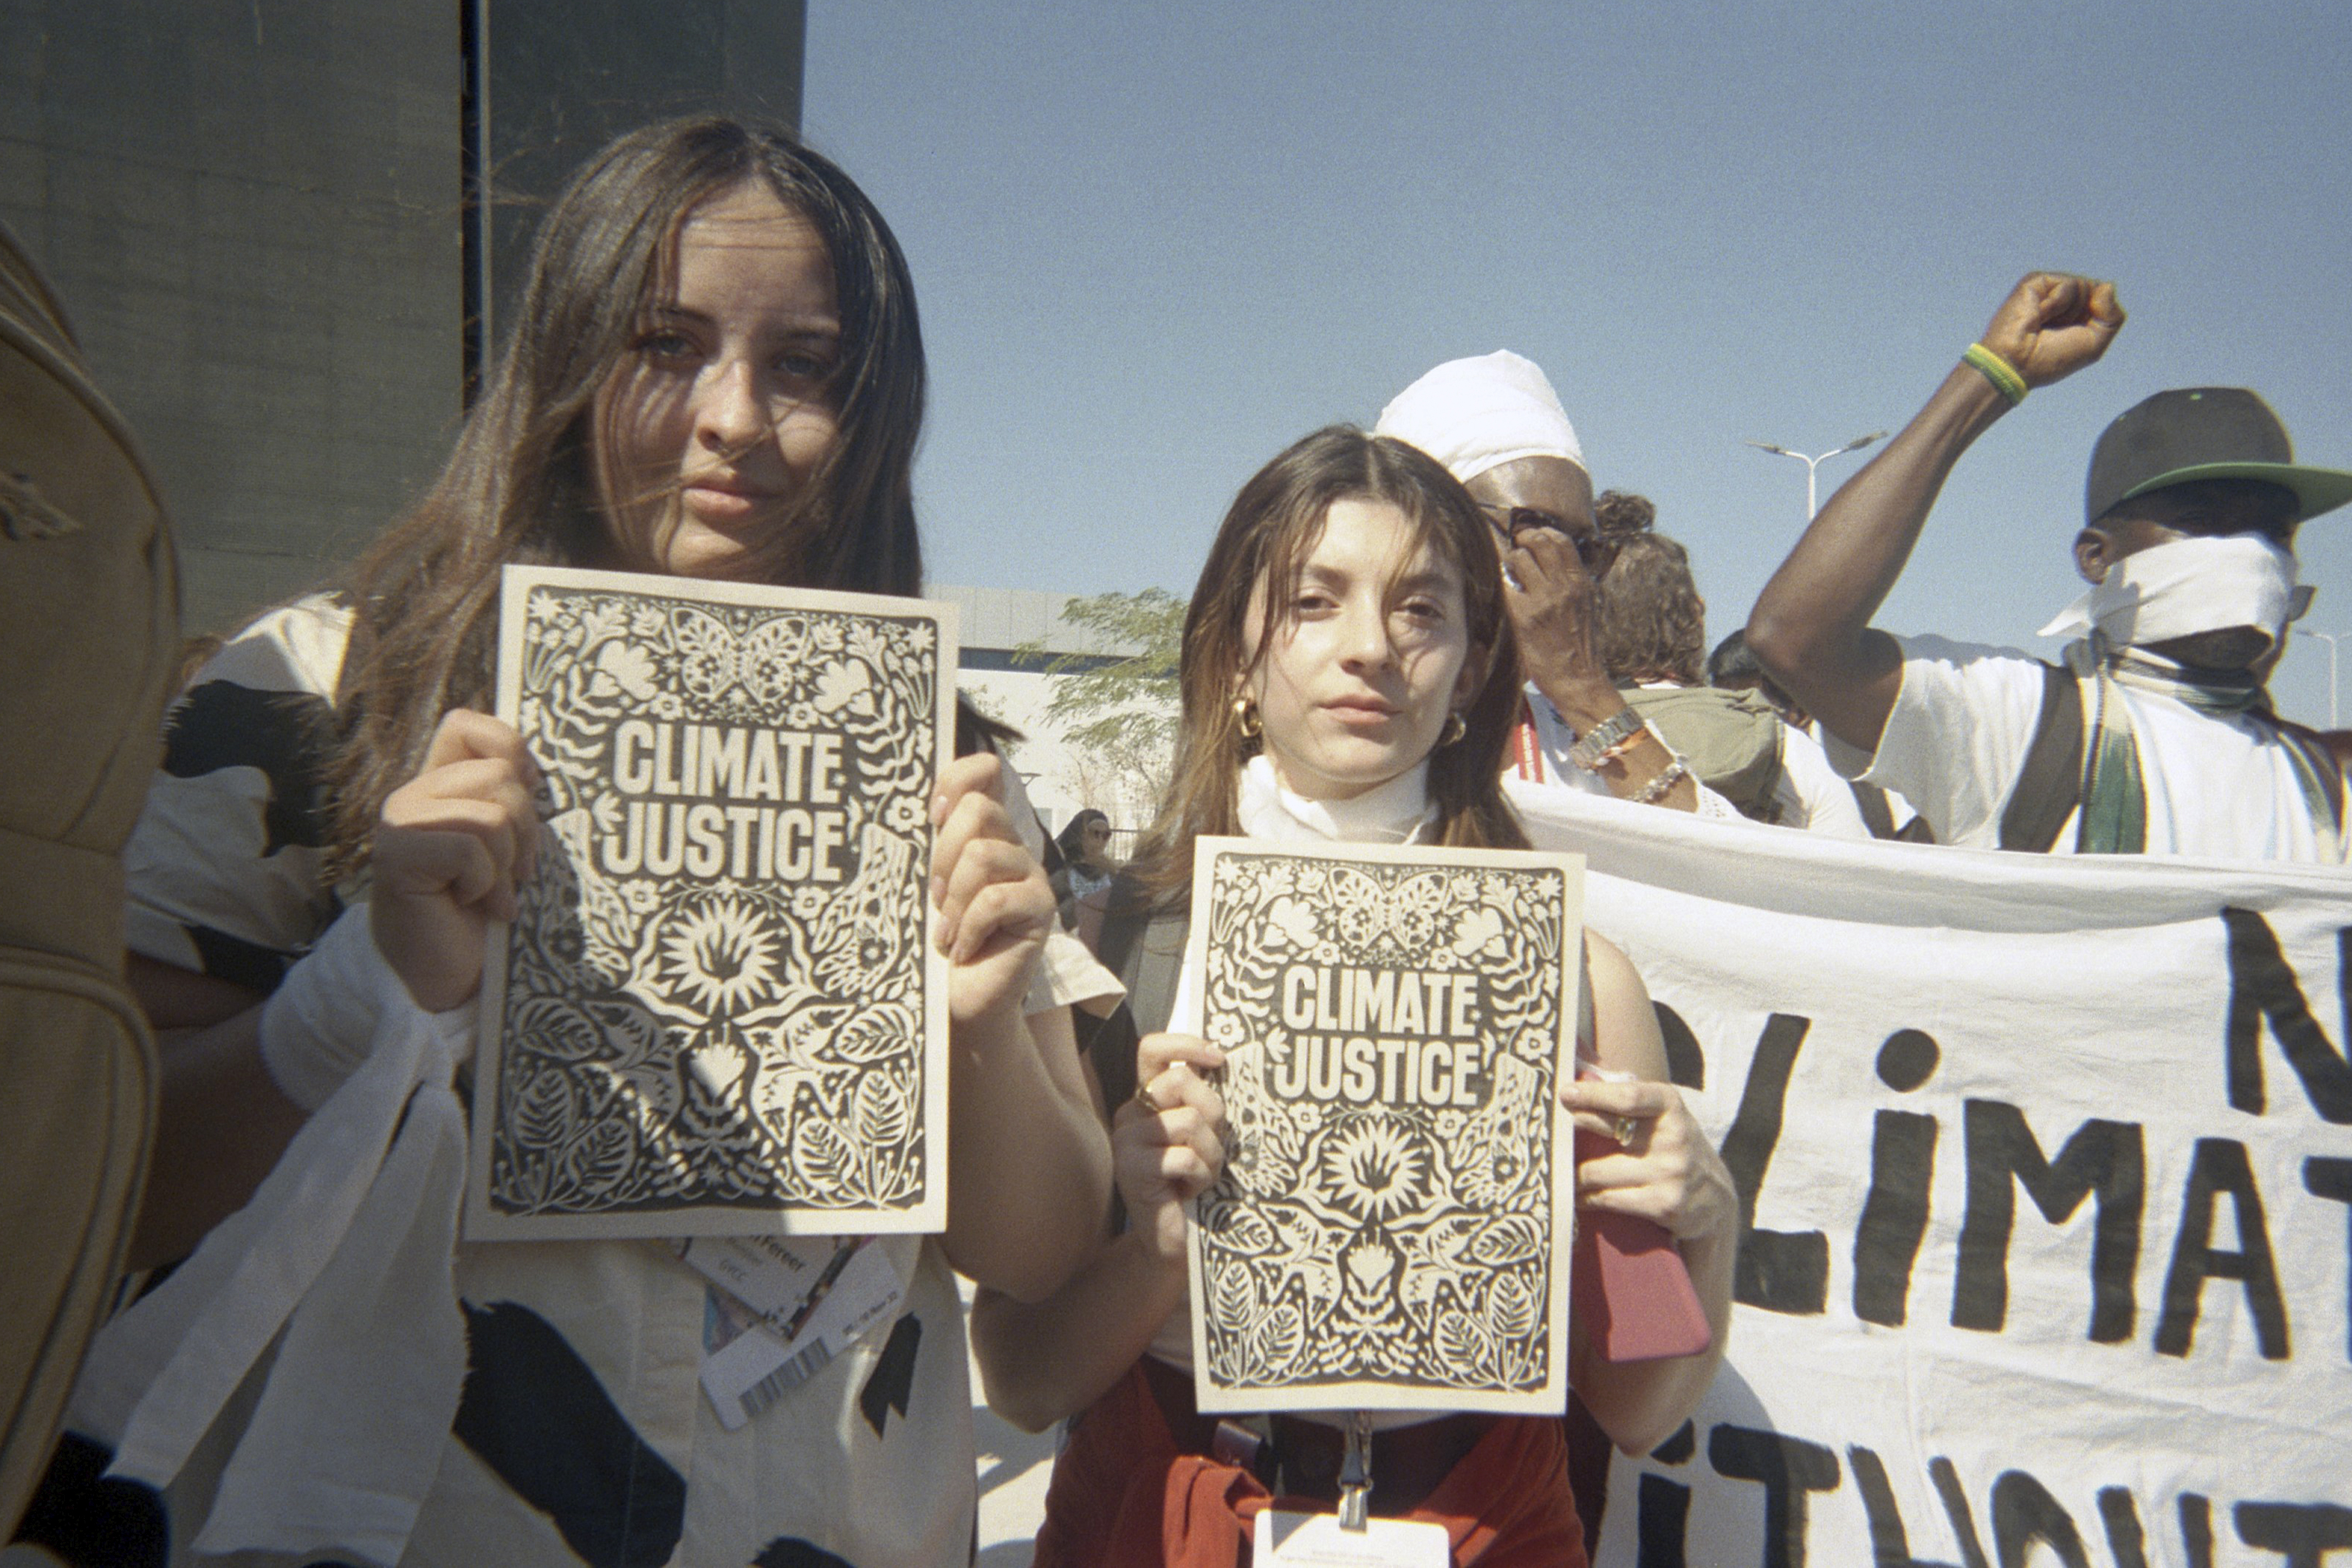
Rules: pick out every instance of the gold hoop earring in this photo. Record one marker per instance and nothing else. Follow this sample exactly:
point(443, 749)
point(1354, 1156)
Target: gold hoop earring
point(1246, 719)
point(1455, 728)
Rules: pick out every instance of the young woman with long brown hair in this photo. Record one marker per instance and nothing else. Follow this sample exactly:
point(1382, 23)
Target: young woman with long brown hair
point(1346, 673)
point(716, 371)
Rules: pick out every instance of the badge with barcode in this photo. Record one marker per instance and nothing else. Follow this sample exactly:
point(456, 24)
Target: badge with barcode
point(750, 1370)
point(775, 1276)
point(1317, 1540)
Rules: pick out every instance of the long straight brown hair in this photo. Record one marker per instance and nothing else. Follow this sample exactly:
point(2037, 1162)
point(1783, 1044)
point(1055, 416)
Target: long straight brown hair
point(521, 485)
point(1268, 535)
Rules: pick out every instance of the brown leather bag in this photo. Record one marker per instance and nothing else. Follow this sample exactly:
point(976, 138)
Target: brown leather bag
point(88, 647)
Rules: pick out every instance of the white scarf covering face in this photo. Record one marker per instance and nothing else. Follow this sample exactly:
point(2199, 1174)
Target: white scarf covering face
point(1396, 812)
point(1472, 415)
point(2189, 587)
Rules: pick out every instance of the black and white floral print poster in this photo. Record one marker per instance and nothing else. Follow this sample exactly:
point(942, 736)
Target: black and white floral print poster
point(719, 1011)
point(1391, 1229)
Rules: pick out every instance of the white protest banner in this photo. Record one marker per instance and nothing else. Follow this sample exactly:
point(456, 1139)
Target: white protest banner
point(2046, 1173)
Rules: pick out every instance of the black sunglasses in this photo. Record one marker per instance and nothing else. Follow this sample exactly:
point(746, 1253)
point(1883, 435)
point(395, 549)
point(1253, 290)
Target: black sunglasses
point(1510, 522)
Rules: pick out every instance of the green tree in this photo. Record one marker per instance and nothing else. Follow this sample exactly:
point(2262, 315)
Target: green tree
point(1118, 712)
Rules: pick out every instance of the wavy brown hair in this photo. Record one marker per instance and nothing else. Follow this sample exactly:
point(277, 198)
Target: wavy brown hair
point(1619, 515)
point(1653, 624)
point(1268, 533)
point(521, 485)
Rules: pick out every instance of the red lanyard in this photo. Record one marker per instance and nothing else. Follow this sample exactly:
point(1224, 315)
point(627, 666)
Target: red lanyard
point(1529, 750)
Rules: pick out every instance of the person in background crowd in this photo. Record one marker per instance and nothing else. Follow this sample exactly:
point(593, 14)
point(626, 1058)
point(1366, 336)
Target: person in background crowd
point(1085, 846)
point(1620, 517)
point(2157, 734)
point(1347, 674)
point(1652, 635)
point(1731, 667)
point(1497, 424)
point(717, 374)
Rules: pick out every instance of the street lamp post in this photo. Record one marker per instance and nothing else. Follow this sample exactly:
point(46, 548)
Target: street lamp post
point(1811, 504)
point(2329, 638)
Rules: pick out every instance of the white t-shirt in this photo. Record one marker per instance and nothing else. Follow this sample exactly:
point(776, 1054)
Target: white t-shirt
point(1812, 793)
point(2220, 786)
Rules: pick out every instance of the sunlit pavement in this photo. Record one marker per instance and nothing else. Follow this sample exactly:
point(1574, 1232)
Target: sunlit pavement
point(1013, 1465)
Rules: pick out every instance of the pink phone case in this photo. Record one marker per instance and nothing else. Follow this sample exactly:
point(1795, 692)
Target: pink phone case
point(1627, 1282)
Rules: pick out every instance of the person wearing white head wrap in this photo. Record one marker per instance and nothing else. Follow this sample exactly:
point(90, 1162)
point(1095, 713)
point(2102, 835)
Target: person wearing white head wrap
point(1497, 425)
point(2154, 734)
point(1472, 415)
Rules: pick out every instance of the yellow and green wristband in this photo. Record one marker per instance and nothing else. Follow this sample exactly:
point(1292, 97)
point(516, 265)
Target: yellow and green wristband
point(1998, 371)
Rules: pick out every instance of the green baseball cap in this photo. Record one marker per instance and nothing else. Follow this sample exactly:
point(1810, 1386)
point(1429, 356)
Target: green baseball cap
point(2203, 433)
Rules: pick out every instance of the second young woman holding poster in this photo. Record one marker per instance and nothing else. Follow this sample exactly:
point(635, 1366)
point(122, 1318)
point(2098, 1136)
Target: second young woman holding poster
point(1347, 675)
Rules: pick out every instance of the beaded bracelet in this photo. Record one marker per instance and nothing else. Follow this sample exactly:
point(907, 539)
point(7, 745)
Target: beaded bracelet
point(1998, 371)
point(1655, 790)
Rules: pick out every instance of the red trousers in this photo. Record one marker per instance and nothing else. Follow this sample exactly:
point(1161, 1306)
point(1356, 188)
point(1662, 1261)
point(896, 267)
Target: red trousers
point(1125, 1496)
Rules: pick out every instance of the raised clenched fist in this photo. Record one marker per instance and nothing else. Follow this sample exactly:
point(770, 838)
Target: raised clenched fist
point(2055, 323)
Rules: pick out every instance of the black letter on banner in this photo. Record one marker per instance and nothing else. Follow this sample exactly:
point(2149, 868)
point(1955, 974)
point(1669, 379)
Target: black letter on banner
point(2197, 1529)
point(2219, 1166)
point(2102, 1156)
point(1788, 1468)
point(2332, 1179)
point(1890, 1543)
point(2125, 1540)
point(1686, 1062)
point(1781, 1271)
point(2023, 1512)
point(1902, 1164)
point(1660, 1513)
point(2301, 1532)
point(1955, 1511)
point(2263, 985)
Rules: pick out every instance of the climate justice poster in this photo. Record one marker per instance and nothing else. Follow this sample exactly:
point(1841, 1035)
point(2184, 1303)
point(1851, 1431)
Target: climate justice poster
point(718, 1010)
point(1395, 1021)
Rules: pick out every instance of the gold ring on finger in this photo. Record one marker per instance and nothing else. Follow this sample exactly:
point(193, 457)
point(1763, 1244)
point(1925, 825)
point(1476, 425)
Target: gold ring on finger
point(1144, 1098)
point(1626, 1128)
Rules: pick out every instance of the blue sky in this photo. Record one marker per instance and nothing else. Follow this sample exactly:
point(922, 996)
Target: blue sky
point(1155, 244)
